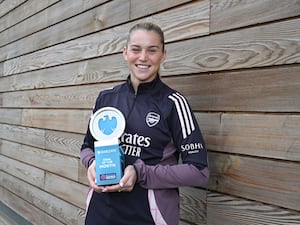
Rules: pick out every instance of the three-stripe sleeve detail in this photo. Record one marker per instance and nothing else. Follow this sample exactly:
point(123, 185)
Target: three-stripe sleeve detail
point(184, 114)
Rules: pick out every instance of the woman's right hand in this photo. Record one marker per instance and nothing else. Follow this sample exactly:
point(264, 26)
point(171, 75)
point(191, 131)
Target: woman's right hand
point(91, 175)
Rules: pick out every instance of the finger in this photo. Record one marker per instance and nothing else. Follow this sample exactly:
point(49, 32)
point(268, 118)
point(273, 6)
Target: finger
point(112, 188)
point(129, 178)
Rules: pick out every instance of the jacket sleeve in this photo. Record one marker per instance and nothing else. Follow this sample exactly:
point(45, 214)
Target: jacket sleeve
point(188, 140)
point(170, 176)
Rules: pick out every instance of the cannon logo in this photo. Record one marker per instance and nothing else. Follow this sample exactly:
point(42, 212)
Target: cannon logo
point(152, 119)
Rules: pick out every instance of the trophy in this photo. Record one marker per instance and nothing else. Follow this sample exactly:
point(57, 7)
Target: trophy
point(107, 125)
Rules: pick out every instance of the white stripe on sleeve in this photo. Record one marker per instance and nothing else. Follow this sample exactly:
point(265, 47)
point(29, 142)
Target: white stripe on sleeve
point(184, 114)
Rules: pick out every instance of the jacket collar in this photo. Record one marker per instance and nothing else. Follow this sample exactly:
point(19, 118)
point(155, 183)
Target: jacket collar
point(145, 87)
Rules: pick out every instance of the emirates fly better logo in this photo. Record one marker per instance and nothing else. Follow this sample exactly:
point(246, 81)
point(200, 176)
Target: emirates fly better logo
point(152, 119)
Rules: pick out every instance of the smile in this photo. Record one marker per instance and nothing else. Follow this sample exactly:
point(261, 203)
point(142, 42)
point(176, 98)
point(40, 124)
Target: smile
point(142, 66)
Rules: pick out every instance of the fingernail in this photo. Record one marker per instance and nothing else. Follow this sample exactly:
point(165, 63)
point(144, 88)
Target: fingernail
point(121, 184)
point(104, 190)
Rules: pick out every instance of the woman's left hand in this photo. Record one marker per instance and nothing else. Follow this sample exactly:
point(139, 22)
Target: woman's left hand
point(126, 183)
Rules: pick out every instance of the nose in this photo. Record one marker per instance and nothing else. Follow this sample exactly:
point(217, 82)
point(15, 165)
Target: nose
point(143, 55)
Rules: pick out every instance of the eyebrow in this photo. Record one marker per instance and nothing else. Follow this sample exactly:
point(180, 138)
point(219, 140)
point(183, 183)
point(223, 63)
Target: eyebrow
point(151, 46)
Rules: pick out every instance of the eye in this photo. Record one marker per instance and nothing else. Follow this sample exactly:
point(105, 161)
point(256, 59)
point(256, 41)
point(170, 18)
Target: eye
point(134, 49)
point(152, 50)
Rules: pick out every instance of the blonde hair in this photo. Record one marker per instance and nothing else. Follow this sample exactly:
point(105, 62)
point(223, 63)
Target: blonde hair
point(148, 27)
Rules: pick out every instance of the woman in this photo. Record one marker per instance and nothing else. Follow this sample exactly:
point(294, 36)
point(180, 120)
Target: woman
point(160, 127)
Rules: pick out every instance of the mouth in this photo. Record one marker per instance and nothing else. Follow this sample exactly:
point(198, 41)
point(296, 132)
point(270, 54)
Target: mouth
point(142, 66)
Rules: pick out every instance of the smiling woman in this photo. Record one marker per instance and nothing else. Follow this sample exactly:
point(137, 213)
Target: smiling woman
point(160, 127)
point(144, 53)
point(237, 64)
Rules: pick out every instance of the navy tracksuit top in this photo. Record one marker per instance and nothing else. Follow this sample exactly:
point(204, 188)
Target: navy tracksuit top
point(160, 127)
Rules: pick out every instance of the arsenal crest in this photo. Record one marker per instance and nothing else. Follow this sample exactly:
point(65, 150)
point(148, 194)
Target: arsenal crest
point(152, 119)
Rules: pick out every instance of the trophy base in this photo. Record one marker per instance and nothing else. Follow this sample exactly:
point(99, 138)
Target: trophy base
point(109, 163)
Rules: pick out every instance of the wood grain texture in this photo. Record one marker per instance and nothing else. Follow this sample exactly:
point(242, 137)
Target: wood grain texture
point(23, 135)
point(272, 89)
point(193, 206)
point(225, 209)
point(58, 12)
point(274, 136)
point(30, 212)
point(265, 45)
point(143, 8)
point(7, 6)
point(266, 136)
point(74, 194)
point(236, 61)
point(28, 173)
point(13, 19)
point(274, 182)
point(61, 120)
point(98, 70)
point(63, 142)
point(63, 165)
point(73, 97)
point(57, 141)
point(230, 14)
point(10, 116)
point(112, 41)
point(62, 211)
point(87, 22)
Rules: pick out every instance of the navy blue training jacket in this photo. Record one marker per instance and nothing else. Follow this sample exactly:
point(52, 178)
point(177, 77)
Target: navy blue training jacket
point(160, 127)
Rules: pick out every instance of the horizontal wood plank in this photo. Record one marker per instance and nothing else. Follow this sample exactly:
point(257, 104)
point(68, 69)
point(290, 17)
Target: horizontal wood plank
point(226, 91)
point(63, 142)
point(29, 174)
point(237, 63)
point(225, 209)
point(98, 70)
point(261, 90)
point(24, 208)
point(274, 182)
point(74, 194)
point(23, 135)
point(10, 116)
point(192, 206)
point(57, 208)
point(56, 12)
point(112, 41)
point(8, 6)
point(27, 10)
point(85, 23)
point(186, 21)
point(142, 8)
point(73, 97)
point(57, 141)
point(230, 14)
point(83, 72)
point(61, 120)
point(272, 136)
point(63, 165)
point(265, 45)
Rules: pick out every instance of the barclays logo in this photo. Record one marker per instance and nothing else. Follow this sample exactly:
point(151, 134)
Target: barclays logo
point(152, 119)
point(107, 125)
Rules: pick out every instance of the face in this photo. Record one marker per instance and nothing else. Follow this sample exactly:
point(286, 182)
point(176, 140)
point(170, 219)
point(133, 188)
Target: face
point(144, 54)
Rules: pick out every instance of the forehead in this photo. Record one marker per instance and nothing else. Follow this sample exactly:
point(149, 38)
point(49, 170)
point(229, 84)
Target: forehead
point(144, 38)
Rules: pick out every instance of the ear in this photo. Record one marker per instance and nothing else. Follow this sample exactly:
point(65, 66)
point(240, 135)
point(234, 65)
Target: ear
point(164, 56)
point(125, 53)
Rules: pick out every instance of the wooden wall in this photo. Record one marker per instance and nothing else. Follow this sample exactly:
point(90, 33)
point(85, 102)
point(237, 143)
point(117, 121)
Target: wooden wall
point(236, 61)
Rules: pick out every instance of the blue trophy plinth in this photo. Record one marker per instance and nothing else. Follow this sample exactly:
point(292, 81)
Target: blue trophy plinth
point(107, 125)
